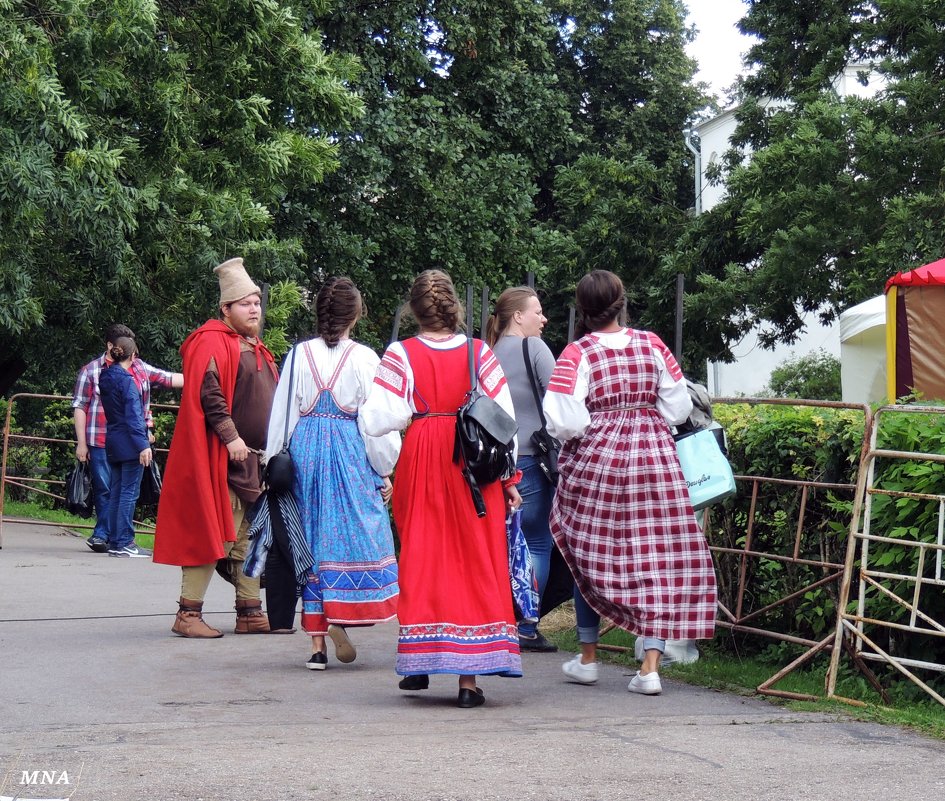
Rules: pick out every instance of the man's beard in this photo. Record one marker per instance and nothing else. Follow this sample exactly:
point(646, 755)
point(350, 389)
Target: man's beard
point(245, 329)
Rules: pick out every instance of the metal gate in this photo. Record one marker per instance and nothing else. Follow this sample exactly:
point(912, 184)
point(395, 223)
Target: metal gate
point(49, 486)
point(900, 595)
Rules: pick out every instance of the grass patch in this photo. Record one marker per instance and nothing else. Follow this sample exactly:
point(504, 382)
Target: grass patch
point(30, 510)
point(718, 669)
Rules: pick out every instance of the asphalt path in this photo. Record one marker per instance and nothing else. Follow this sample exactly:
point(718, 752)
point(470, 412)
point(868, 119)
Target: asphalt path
point(100, 701)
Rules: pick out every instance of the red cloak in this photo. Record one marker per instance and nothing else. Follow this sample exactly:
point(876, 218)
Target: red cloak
point(194, 517)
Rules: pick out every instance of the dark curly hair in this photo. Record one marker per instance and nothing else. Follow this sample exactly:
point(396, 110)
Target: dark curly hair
point(433, 301)
point(116, 330)
point(600, 300)
point(337, 307)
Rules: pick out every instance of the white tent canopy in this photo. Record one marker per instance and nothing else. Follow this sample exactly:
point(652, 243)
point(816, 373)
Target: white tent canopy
point(863, 352)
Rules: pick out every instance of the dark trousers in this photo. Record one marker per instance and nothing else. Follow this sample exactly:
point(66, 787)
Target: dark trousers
point(281, 591)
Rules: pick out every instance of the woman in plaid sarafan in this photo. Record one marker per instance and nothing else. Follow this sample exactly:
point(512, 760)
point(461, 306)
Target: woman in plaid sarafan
point(622, 516)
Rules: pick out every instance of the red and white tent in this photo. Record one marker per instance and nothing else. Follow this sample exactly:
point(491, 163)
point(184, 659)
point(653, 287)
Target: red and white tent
point(915, 333)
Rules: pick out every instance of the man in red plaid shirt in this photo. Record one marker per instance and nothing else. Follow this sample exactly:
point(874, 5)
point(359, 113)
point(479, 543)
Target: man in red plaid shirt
point(89, 418)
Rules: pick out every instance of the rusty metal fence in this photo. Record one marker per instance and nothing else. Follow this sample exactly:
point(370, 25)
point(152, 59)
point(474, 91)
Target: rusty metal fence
point(819, 563)
point(900, 588)
point(33, 481)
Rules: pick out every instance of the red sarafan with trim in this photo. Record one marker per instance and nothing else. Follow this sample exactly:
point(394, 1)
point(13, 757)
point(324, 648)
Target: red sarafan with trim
point(621, 515)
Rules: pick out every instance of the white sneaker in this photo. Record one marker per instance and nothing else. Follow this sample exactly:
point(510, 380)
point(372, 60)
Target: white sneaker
point(581, 673)
point(645, 685)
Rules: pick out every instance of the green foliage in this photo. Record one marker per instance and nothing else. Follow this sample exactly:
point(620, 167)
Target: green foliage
point(826, 196)
point(26, 460)
point(815, 376)
point(285, 298)
point(794, 444)
point(463, 114)
point(814, 444)
point(507, 137)
point(142, 142)
point(913, 518)
point(622, 191)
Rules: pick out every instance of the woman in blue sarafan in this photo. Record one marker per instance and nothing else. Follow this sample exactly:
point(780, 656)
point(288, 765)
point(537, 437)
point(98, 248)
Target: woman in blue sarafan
point(341, 480)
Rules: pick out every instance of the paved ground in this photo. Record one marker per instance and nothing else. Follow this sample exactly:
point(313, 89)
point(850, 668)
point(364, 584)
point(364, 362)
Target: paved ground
point(93, 685)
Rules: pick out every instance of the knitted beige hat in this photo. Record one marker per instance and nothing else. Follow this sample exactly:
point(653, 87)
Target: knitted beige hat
point(235, 283)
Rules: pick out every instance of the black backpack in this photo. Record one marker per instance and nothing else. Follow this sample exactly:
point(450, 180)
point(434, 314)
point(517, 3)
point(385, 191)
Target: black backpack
point(484, 437)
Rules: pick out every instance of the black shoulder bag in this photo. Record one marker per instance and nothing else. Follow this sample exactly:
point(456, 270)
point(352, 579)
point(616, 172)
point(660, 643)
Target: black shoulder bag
point(280, 472)
point(545, 444)
point(484, 435)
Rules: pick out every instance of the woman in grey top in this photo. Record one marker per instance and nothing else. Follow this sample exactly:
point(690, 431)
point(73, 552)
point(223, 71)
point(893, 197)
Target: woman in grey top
point(518, 318)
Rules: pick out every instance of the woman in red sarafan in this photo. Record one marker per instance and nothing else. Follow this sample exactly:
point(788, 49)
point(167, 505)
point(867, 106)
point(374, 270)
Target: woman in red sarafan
point(455, 607)
point(621, 515)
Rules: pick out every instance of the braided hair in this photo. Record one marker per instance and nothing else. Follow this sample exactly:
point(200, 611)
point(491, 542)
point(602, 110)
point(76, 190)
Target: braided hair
point(600, 300)
point(433, 301)
point(337, 308)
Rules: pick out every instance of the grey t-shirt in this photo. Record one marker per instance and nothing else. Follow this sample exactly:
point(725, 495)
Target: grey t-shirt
point(508, 351)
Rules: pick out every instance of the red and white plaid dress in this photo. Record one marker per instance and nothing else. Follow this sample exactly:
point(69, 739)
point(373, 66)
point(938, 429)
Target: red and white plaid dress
point(621, 515)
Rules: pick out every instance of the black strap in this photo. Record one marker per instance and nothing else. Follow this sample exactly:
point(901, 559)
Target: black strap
point(473, 378)
point(533, 383)
point(474, 490)
point(288, 400)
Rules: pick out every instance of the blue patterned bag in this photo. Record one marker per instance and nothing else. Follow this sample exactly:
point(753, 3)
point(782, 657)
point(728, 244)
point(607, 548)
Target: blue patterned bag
point(524, 584)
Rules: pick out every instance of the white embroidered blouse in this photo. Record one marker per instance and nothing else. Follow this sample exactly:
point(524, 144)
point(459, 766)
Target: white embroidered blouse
point(567, 414)
point(352, 388)
point(391, 406)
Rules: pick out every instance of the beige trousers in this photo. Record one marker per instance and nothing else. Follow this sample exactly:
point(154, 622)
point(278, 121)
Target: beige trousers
point(196, 578)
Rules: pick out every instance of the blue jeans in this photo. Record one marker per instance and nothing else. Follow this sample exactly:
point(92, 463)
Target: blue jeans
point(536, 492)
point(101, 482)
point(126, 484)
point(588, 625)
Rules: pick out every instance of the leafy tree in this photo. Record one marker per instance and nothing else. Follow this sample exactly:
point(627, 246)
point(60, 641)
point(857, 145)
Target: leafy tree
point(142, 142)
point(621, 194)
point(463, 113)
point(814, 376)
point(506, 137)
point(838, 193)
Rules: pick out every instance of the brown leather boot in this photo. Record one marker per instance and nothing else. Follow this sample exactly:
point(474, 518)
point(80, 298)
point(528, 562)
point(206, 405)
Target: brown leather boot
point(190, 622)
point(250, 618)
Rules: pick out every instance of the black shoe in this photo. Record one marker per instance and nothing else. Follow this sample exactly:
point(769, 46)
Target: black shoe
point(318, 661)
point(97, 544)
point(413, 683)
point(538, 643)
point(470, 698)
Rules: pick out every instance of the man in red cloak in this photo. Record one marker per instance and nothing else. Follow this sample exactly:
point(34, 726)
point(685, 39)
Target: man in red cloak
point(212, 474)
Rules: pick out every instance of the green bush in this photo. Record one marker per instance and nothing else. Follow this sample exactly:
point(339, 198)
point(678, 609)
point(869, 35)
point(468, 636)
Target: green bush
point(788, 442)
point(793, 443)
point(907, 518)
point(28, 460)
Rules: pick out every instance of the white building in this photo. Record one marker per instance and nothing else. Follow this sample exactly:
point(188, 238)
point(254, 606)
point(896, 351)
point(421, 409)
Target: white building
point(750, 373)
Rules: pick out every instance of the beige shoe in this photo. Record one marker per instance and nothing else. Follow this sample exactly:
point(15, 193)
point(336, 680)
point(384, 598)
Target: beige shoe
point(344, 648)
point(190, 622)
point(250, 618)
